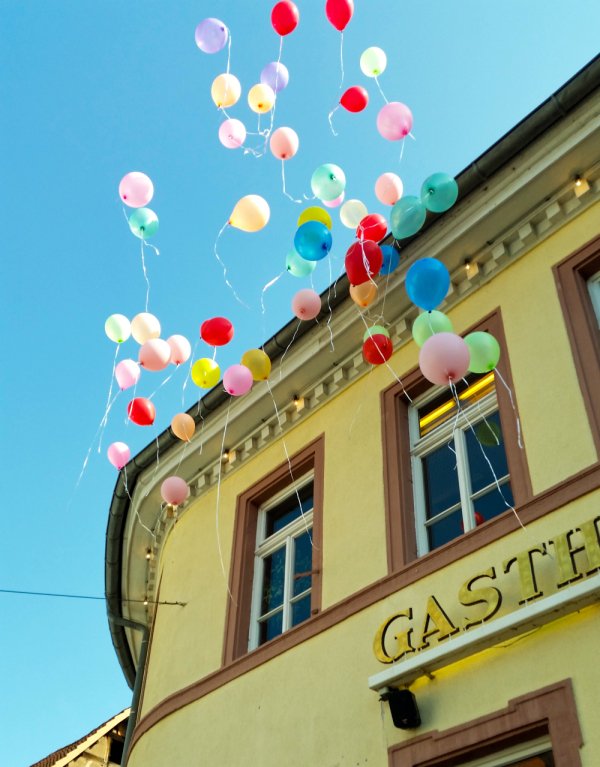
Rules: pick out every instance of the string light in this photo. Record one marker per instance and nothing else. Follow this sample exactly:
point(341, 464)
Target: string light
point(577, 180)
point(149, 554)
point(467, 264)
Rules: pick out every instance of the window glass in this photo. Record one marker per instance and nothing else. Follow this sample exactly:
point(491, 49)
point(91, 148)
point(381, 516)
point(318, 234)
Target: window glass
point(490, 504)
point(442, 409)
point(302, 563)
point(301, 610)
point(271, 627)
point(289, 510)
point(447, 529)
point(273, 581)
point(485, 441)
point(441, 480)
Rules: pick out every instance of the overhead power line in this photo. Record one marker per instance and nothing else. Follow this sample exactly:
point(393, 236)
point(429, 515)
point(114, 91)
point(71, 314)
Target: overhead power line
point(80, 596)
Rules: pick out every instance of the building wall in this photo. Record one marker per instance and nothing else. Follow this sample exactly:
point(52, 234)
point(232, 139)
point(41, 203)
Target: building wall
point(288, 708)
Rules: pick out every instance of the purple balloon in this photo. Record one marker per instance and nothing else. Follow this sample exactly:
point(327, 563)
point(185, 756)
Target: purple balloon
point(272, 77)
point(211, 35)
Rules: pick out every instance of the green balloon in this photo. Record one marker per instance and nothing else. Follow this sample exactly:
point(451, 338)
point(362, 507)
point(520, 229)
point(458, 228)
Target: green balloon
point(489, 434)
point(485, 352)
point(298, 266)
point(373, 62)
point(143, 223)
point(328, 182)
point(439, 192)
point(428, 324)
point(118, 328)
point(376, 330)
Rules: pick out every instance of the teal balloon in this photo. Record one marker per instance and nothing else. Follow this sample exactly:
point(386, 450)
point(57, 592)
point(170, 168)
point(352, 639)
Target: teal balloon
point(439, 192)
point(143, 223)
point(408, 216)
point(485, 352)
point(428, 324)
point(328, 182)
point(298, 266)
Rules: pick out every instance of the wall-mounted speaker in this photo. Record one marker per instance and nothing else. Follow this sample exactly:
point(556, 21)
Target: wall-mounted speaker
point(403, 708)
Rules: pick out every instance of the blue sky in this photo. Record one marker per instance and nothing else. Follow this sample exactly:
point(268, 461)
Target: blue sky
point(91, 91)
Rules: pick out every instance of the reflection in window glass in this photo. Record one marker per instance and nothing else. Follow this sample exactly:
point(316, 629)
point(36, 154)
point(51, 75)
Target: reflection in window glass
point(273, 581)
point(446, 530)
point(441, 480)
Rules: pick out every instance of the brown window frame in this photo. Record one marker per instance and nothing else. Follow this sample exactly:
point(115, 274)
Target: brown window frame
point(571, 276)
point(398, 484)
point(241, 576)
point(550, 711)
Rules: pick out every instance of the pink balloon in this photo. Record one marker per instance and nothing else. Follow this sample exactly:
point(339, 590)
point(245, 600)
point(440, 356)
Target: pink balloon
point(174, 490)
point(180, 349)
point(127, 374)
point(306, 304)
point(444, 358)
point(237, 380)
point(232, 133)
point(118, 454)
point(155, 354)
point(136, 189)
point(334, 203)
point(394, 121)
point(284, 143)
point(388, 188)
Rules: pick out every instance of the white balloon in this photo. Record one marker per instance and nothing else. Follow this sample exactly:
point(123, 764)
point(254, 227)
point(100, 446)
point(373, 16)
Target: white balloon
point(352, 213)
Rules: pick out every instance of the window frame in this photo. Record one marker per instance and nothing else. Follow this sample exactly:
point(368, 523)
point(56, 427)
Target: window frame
point(421, 447)
point(571, 276)
point(267, 546)
point(241, 571)
point(401, 530)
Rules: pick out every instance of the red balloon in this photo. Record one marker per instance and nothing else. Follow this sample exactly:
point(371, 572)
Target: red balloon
point(141, 411)
point(479, 520)
point(355, 99)
point(356, 256)
point(284, 17)
point(216, 332)
point(372, 227)
point(377, 349)
point(339, 13)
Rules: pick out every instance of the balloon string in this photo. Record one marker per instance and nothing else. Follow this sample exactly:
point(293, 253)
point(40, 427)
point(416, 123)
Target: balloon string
point(512, 402)
point(108, 406)
point(342, 58)
point(188, 373)
point(227, 73)
point(329, 307)
point(225, 268)
point(217, 510)
point(288, 346)
point(290, 465)
point(362, 399)
point(275, 101)
point(135, 508)
point(401, 152)
point(168, 378)
point(145, 274)
point(157, 461)
point(262, 303)
point(314, 197)
point(283, 178)
point(506, 503)
point(382, 93)
point(214, 353)
point(331, 124)
point(128, 419)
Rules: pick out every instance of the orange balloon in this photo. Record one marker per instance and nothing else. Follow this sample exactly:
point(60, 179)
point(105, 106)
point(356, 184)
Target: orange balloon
point(363, 294)
point(183, 426)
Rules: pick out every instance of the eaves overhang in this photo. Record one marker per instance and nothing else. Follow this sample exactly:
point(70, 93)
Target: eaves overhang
point(566, 106)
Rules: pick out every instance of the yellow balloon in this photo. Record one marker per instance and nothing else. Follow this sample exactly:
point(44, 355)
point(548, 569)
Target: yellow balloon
point(315, 214)
point(250, 214)
point(183, 426)
point(363, 294)
point(258, 363)
point(261, 98)
point(226, 90)
point(205, 373)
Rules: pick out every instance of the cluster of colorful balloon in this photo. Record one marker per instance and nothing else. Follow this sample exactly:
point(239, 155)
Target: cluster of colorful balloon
point(438, 194)
point(136, 190)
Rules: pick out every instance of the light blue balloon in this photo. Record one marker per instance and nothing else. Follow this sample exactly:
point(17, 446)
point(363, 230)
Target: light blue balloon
point(143, 223)
point(391, 259)
point(427, 283)
point(439, 192)
point(298, 266)
point(408, 216)
point(328, 182)
point(313, 241)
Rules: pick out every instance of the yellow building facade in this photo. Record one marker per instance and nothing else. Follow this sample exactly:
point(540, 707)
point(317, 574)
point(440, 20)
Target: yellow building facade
point(395, 580)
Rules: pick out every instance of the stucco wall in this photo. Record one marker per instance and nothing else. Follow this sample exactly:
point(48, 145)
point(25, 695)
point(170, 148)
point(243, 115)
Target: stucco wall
point(287, 708)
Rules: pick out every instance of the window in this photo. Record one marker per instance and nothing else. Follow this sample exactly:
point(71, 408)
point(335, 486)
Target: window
point(537, 753)
point(457, 457)
point(283, 563)
point(273, 541)
point(418, 462)
point(594, 288)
